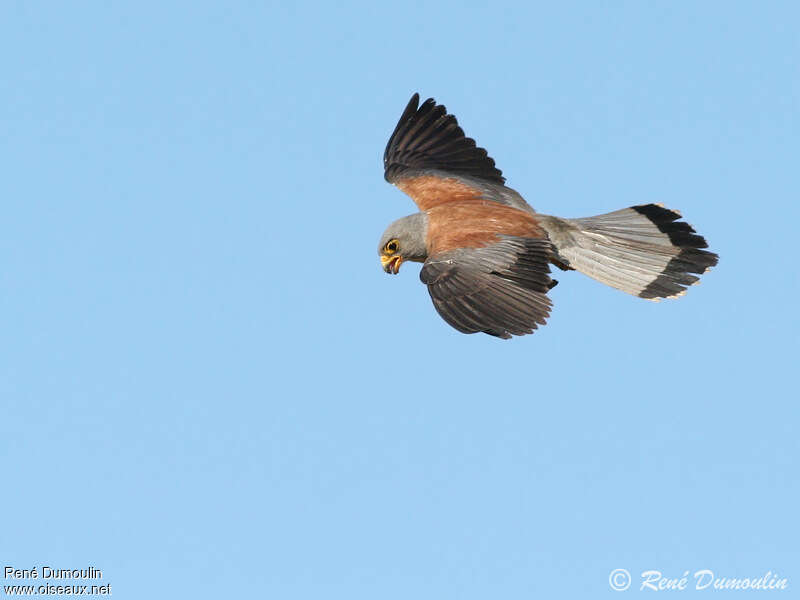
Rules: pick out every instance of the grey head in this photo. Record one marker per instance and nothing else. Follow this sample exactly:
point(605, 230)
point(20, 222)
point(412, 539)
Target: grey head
point(404, 240)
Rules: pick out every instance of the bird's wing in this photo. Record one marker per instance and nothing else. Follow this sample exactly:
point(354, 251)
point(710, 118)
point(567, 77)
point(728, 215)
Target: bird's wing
point(429, 157)
point(499, 289)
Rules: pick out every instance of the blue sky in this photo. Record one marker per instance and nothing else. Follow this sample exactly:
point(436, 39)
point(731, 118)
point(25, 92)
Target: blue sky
point(210, 389)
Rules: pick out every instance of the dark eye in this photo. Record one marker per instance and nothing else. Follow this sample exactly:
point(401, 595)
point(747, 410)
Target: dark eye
point(391, 247)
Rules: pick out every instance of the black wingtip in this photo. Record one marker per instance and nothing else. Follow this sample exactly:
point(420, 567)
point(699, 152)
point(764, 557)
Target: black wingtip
point(446, 147)
point(411, 107)
point(409, 111)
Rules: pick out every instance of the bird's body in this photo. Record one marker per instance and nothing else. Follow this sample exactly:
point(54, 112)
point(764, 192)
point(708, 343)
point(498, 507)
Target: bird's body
point(487, 252)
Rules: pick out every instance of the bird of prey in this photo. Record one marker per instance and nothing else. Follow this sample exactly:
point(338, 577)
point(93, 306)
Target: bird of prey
point(486, 252)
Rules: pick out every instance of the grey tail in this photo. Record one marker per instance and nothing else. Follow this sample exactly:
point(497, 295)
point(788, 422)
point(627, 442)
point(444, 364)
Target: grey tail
point(642, 250)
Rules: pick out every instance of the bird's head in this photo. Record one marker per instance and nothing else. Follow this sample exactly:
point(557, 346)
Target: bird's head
point(404, 240)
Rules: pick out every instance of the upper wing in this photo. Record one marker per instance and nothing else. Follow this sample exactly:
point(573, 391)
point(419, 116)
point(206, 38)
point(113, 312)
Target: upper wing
point(429, 157)
point(499, 289)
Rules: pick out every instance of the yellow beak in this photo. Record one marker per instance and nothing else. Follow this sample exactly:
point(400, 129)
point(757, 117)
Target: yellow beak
point(391, 264)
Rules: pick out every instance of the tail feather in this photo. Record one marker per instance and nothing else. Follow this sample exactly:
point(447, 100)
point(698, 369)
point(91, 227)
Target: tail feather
point(642, 250)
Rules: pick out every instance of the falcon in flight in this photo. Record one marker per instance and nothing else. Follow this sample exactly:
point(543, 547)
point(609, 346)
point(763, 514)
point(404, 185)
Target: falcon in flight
point(487, 253)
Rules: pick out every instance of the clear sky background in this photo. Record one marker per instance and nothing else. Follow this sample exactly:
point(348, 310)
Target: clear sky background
point(209, 388)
